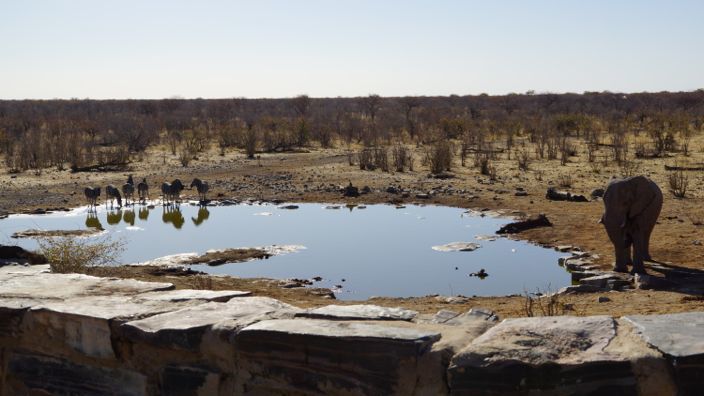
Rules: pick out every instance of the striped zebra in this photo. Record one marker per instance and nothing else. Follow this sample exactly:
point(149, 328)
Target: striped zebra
point(171, 192)
point(128, 190)
point(202, 188)
point(112, 193)
point(143, 190)
point(92, 195)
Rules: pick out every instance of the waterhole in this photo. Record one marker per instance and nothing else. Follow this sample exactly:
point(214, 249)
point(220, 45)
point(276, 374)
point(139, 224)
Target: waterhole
point(373, 250)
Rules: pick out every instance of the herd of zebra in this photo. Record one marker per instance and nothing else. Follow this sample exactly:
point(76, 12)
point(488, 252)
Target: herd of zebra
point(170, 192)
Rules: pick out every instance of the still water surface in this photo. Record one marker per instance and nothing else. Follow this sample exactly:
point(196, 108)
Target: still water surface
point(376, 251)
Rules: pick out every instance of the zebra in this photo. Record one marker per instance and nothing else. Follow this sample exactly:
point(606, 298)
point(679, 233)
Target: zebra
point(202, 188)
point(92, 195)
point(143, 190)
point(112, 193)
point(128, 190)
point(171, 191)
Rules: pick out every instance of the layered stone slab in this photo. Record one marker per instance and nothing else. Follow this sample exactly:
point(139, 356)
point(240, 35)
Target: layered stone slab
point(187, 294)
point(551, 355)
point(35, 374)
point(185, 328)
point(84, 324)
point(359, 312)
point(341, 357)
point(43, 285)
point(681, 338)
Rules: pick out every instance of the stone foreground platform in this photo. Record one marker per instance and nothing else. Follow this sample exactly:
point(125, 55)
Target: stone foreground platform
point(77, 334)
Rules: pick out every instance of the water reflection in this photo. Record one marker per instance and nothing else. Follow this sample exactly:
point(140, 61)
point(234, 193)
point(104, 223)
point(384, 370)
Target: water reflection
point(173, 215)
point(128, 217)
point(114, 217)
point(340, 245)
point(203, 215)
point(92, 221)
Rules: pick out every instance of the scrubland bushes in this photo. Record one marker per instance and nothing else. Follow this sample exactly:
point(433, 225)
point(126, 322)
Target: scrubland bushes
point(85, 134)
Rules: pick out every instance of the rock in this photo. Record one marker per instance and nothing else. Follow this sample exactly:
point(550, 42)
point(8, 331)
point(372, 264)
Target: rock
point(488, 238)
point(16, 254)
point(679, 337)
point(554, 195)
point(443, 316)
point(457, 247)
point(579, 275)
point(333, 357)
point(604, 280)
point(66, 286)
point(32, 233)
point(84, 324)
point(186, 328)
point(423, 196)
point(518, 226)
point(392, 190)
point(521, 193)
point(452, 299)
point(366, 190)
point(597, 193)
point(188, 380)
point(39, 374)
point(288, 207)
point(350, 191)
point(603, 299)
point(564, 248)
point(358, 312)
point(574, 289)
point(647, 282)
point(186, 295)
point(560, 355)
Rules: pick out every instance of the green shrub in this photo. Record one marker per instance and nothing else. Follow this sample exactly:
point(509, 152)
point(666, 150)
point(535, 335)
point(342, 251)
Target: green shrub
point(75, 254)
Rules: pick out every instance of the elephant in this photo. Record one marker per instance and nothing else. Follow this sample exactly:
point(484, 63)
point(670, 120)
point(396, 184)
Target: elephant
point(631, 208)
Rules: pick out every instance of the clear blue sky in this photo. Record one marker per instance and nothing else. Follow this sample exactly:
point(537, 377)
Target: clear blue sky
point(261, 48)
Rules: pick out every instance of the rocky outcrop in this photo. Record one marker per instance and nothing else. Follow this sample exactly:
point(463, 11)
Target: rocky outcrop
point(550, 355)
point(78, 334)
point(680, 337)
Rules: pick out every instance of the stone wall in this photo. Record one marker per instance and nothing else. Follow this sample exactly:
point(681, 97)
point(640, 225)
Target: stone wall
point(76, 334)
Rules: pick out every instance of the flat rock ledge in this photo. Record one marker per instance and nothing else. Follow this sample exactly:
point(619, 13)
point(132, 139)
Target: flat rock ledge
point(79, 334)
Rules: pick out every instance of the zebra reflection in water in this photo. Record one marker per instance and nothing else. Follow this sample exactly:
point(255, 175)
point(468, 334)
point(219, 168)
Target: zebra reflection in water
point(143, 213)
point(114, 217)
point(172, 214)
point(203, 215)
point(128, 217)
point(92, 220)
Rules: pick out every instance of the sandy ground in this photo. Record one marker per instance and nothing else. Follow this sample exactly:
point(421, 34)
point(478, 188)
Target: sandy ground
point(317, 175)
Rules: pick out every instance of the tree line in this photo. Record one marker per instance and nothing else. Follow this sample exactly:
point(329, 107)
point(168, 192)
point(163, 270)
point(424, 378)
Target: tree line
point(84, 134)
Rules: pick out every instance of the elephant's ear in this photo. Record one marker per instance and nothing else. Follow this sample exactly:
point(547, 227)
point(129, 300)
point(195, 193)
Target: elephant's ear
point(642, 196)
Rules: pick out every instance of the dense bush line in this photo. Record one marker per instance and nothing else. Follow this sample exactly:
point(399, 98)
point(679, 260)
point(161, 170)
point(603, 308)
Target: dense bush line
point(84, 134)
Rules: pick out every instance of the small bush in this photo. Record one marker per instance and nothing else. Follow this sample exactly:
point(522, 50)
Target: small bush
point(679, 182)
point(543, 304)
point(523, 158)
point(629, 168)
point(75, 254)
point(401, 157)
point(202, 282)
point(439, 157)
